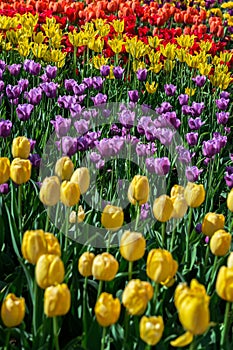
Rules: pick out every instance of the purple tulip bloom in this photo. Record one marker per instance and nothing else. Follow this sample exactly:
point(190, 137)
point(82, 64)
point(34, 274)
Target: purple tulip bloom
point(69, 84)
point(165, 136)
point(98, 83)
point(100, 164)
point(69, 145)
point(222, 117)
point(159, 166)
point(35, 159)
point(143, 124)
point(14, 69)
point(184, 155)
point(75, 110)
point(88, 82)
point(192, 173)
point(195, 124)
point(222, 103)
point(183, 99)
point(197, 108)
point(32, 67)
point(1, 85)
point(141, 149)
point(198, 228)
point(1, 74)
point(5, 128)
point(118, 72)
point(229, 176)
point(192, 138)
point(186, 110)
point(51, 72)
point(142, 74)
point(99, 99)
point(50, 89)
point(225, 95)
point(127, 118)
point(13, 92)
point(210, 148)
point(23, 83)
point(66, 101)
point(144, 212)
point(109, 147)
point(170, 89)
point(79, 89)
point(95, 157)
point(2, 65)
point(34, 96)
point(24, 111)
point(104, 70)
point(4, 188)
point(81, 126)
point(165, 107)
point(32, 144)
point(61, 125)
point(133, 95)
point(199, 80)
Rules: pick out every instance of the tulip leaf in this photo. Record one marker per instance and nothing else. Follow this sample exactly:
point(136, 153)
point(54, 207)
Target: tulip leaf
point(14, 232)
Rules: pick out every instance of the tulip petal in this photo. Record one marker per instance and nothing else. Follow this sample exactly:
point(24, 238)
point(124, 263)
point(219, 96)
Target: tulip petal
point(183, 340)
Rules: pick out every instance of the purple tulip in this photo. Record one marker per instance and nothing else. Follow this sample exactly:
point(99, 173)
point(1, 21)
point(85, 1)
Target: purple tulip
point(32, 144)
point(100, 164)
point(14, 69)
point(195, 124)
point(69, 145)
point(143, 124)
point(24, 111)
point(61, 125)
point(199, 80)
point(192, 173)
point(13, 92)
point(75, 110)
point(229, 176)
point(1, 74)
point(81, 126)
point(79, 89)
point(69, 84)
point(104, 70)
point(198, 228)
point(34, 96)
point(118, 72)
point(51, 72)
point(4, 188)
point(186, 110)
point(144, 212)
point(165, 107)
point(95, 157)
point(1, 85)
point(66, 101)
point(170, 89)
point(225, 95)
point(127, 118)
point(159, 166)
point(183, 99)
point(142, 74)
point(164, 135)
point(5, 128)
point(98, 83)
point(88, 82)
point(99, 99)
point(35, 159)
point(192, 138)
point(184, 155)
point(141, 149)
point(197, 108)
point(210, 148)
point(222, 103)
point(50, 89)
point(23, 83)
point(2, 65)
point(222, 117)
point(133, 95)
point(32, 67)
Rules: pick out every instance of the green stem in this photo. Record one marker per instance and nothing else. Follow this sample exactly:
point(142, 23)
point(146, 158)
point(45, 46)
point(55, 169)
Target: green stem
point(172, 238)
point(147, 347)
point(84, 341)
point(66, 228)
point(130, 270)
point(207, 256)
point(35, 306)
point(75, 60)
point(47, 219)
point(137, 216)
point(109, 235)
point(212, 276)
point(126, 333)
point(227, 321)
point(188, 236)
point(55, 333)
point(100, 288)
point(8, 333)
point(164, 238)
point(192, 345)
point(20, 193)
point(103, 338)
point(155, 297)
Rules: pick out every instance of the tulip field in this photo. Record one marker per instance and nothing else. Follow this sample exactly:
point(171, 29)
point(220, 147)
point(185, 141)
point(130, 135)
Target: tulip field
point(116, 174)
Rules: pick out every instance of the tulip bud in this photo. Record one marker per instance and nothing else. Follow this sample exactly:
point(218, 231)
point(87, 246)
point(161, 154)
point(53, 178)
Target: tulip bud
point(107, 310)
point(220, 243)
point(57, 300)
point(53, 245)
point(224, 283)
point(138, 191)
point(230, 260)
point(179, 206)
point(177, 189)
point(49, 270)
point(85, 264)
point(70, 193)
point(132, 245)
point(50, 191)
point(104, 267)
point(160, 266)
point(20, 171)
point(21, 147)
point(136, 295)
point(77, 217)
point(81, 176)
point(64, 168)
point(163, 208)
point(33, 245)
point(12, 310)
point(4, 170)
point(112, 217)
point(151, 329)
point(230, 200)
point(212, 222)
point(194, 194)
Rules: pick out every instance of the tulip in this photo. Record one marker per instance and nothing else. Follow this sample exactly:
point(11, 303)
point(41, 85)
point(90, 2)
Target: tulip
point(53, 245)
point(224, 283)
point(77, 217)
point(112, 217)
point(12, 310)
point(21, 147)
point(194, 194)
point(81, 176)
point(179, 206)
point(138, 191)
point(230, 200)
point(64, 168)
point(230, 260)
point(136, 295)
point(57, 300)
point(132, 245)
point(104, 267)
point(151, 329)
point(220, 243)
point(85, 264)
point(212, 222)
point(50, 191)
point(163, 208)
point(20, 171)
point(70, 193)
point(177, 189)
point(4, 170)
point(107, 310)
point(33, 245)
point(160, 266)
point(49, 270)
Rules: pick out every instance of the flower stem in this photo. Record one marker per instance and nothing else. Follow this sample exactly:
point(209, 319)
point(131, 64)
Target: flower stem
point(192, 345)
point(8, 333)
point(227, 321)
point(137, 216)
point(130, 270)
point(84, 341)
point(35, 307)
point(164, 238)
point(20, 188)
point(148, 347)
point(188, 236)
point(66, 227)
point(75, 60)
point(55, 333)
point(213, 272)
point(103, 338)
point(172, 238)
point(47, 219)
point(126, 333)
point(100, 288)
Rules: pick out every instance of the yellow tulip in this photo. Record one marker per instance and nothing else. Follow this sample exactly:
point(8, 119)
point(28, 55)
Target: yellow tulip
point(163, 208)
point(49, 270)
point(107, 309)
point(136, 295)
point(112, 217)
point(132, 245)
point(64, 168)
point(33, 245)
point(21, 147)
point(57, 300)
point(160, 266)
point(224, 283)
point(12, 310)
point(151, 329)
point(85, 264)
point(20, 171)
point(180, 206)
point(138, 191)
point(81, 176)
point(211, 223)
point(151, 88)
point(53, 245)
point(50, 191)
point(177, 190)
point(194, 194)
point(220, 243)
point(4, 170)
point(104, 267)
point(69, 193)
point(183, 340)
point(230, 200)
point(230, 260)
point(77, 216)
